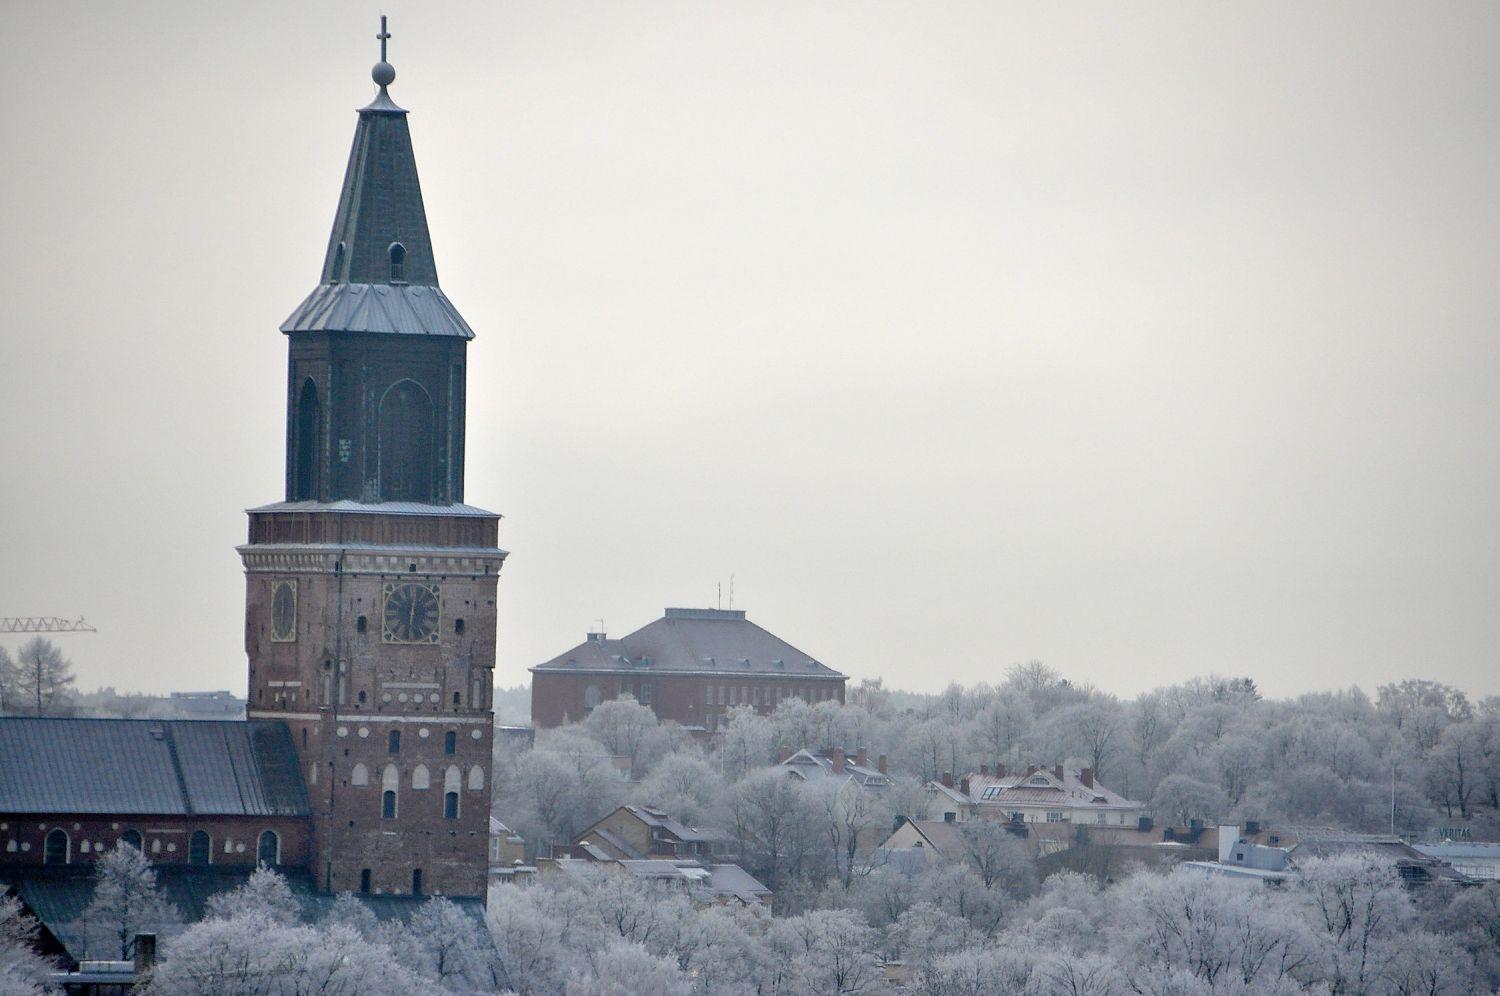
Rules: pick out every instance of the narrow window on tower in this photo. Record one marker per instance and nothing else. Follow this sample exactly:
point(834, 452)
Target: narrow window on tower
point(309, 439)
point(450, 742)
point(388, 805)
point(458, 626)
point(398, 263)
point(361, 624)
point(416, 881)
point(457, 699)
point(364, 880)
point(395, 742)
point(450, 805)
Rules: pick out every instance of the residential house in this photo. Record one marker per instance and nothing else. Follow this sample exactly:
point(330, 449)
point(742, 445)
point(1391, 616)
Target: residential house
point(1049, 795)
point(636, 832)
point(817, 766)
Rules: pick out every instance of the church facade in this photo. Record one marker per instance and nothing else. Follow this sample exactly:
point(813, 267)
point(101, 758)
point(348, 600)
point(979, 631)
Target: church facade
point(364, 762)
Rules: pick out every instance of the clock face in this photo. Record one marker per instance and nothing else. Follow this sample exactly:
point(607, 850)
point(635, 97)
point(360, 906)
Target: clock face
point(411, 613)
point(284, 612)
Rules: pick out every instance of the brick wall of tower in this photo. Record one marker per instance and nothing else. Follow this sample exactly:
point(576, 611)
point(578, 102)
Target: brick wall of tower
point(341, 714)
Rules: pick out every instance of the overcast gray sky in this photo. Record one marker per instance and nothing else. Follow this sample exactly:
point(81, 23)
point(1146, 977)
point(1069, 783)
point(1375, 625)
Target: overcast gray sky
point(1146, 339)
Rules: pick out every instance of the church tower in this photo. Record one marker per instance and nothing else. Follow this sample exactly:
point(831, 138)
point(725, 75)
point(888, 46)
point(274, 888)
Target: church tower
point(370, 591)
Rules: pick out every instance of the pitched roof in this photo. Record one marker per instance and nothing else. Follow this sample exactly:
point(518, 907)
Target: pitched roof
point(1043, 787)
point(944, 837)
point(813, 765)
point(719, 642)
point(160, 767)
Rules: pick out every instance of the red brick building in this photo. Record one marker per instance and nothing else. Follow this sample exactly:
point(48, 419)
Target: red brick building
point(690, 666)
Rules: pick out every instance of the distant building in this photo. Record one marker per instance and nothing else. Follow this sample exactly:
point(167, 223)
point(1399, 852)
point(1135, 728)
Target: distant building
point(1241, 855)
point(208, 705)
point(635, 832)
point(834, 763)
point(1049, 795)
point(691, 666)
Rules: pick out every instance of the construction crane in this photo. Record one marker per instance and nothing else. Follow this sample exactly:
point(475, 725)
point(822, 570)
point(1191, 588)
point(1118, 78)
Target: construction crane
point(44, 624)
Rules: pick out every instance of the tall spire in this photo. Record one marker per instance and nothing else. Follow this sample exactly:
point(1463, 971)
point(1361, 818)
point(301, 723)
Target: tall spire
point(380, 238)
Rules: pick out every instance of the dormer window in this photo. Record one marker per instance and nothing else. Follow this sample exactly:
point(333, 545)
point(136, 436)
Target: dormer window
point(397, 253)
point(1038, 780)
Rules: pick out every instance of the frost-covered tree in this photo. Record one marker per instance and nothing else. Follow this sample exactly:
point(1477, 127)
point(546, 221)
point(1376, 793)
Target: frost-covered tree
point(828, 951)
point(265, 895)
point(626, 968)
point(443, 943)
point(999, 857)
point(23, 972)
point(687, 787)
point(622, 725)
point(125, 902)
point(251, 954)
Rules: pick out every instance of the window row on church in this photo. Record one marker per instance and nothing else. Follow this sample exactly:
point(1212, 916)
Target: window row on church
point(59, 847)
point(421, 780)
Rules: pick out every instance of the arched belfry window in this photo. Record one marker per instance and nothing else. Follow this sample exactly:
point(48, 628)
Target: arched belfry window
point(405, 443)
point(398, 262)
point(309, 443)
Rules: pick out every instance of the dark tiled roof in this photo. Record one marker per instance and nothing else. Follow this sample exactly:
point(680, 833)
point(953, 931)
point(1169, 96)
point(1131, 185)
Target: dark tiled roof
point(709, 641)
point(160, 767)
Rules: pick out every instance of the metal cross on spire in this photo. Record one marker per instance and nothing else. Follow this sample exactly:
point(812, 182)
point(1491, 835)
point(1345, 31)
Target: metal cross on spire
point(383, 37)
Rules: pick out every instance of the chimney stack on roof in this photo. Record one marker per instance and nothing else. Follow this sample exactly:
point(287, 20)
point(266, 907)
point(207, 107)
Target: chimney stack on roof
point(999, 770)
point(596, 638)
point(881, 764)
point(1057, 771)
point(984, 769)
point(963, 785)
point(947, 779)
point(783, 753)
point(1030, 770)
point(862, 757)
point(1086, 775)
point(838, 760)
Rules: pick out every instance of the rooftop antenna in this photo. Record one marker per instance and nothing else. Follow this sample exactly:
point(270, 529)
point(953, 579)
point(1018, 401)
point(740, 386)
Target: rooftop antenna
point(720, 586)
point(731, 590)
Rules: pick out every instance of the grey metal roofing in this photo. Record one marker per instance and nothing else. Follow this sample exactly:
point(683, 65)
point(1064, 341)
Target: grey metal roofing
point(391, 309)
point(351, 507)
point(146, 766)
point(380, 205)
point(700, 641)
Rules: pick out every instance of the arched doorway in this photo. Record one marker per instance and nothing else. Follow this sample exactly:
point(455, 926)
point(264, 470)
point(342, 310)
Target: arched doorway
point(200, 848)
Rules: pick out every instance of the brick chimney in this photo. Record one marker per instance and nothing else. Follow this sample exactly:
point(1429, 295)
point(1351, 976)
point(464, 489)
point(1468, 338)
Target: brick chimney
point(984, 769)
point(1057, 771)
point(947, 779)
point(862, 757)
point(782, 753)
point(1086, 775)
point(999, 770)
point(881, 764)
point(1030, 770)
point(838, 760)
point(963, 785)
